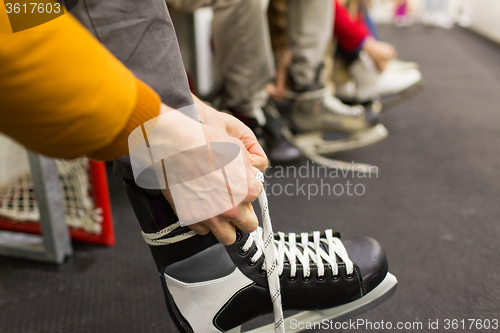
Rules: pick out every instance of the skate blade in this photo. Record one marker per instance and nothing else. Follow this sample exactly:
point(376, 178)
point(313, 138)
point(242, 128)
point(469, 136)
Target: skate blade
point(342, 165)
point(392, 101)
point(313, 143)
point(308, 144)
point(313, 146)
point(375, 297)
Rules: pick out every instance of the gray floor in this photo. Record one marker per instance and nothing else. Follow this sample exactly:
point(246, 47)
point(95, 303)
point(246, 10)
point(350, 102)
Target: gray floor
point(434, 206)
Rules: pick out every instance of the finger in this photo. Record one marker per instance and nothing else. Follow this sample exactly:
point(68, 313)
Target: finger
point(258, 157)
point(243, 133)
point(199, 228)
point(243, 216)
point(248, 157)
point(255, 186)
point(251, 169)
point(251, 228)
point(223, 230)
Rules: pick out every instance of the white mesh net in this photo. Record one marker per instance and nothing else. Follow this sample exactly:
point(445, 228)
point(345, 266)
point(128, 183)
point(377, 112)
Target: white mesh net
point(17, 195)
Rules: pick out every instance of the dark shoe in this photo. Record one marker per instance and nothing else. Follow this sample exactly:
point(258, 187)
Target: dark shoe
point(278, 149)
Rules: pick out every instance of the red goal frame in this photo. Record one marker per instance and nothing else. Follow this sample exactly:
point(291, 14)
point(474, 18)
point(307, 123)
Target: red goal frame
point(99, 183)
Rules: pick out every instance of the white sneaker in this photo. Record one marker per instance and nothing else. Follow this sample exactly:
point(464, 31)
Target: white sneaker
point(369, 84)
point(464, 21)
point(442, 20)
point(400, 65)
point(427, 18)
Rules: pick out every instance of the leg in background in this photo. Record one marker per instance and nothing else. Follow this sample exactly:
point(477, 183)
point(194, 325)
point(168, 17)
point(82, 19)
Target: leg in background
point(309, 31)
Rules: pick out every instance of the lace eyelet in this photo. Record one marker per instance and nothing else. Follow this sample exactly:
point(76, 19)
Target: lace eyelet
point(292, 278)
point(238, 236)
point(306, 279)
point(349, 276)
point(320, 278)
point(241, 252)
point(335, 277)
point(251, 263)
point(262, 272)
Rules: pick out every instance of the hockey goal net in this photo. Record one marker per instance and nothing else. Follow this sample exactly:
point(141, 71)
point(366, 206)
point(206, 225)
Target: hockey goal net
point(83, 187)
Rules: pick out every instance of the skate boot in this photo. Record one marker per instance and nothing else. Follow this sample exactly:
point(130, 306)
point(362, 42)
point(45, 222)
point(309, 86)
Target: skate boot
point(312, 113)
point(319, 110)
point(369, 84)
point(209, 287)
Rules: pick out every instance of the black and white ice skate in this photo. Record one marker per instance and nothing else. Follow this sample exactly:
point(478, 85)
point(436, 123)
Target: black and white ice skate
point(213, 288)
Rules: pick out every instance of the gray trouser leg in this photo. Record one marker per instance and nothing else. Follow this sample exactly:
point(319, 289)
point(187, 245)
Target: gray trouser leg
point(141, 35)
point(242, 47)
point(310, 26)
point(243, 50)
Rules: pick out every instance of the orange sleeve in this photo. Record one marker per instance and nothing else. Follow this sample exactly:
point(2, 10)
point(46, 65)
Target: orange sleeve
point(62, 94)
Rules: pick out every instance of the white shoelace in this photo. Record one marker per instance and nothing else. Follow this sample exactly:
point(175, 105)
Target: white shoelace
point(306, 251)
point(154, 238)
point(264, 240)
point(275, 251)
